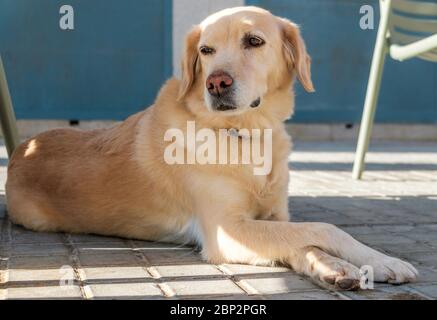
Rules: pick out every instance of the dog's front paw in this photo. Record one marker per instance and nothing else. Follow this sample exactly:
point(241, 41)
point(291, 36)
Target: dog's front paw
point(344, 277)
point(326, 269)
point(393, 270)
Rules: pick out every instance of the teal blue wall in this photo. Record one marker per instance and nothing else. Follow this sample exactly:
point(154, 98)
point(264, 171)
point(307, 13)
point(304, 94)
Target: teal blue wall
point(109, 67)
point(120, 53)
point(341, 53)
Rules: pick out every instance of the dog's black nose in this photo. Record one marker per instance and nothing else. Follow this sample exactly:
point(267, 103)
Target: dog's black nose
point(218, 83)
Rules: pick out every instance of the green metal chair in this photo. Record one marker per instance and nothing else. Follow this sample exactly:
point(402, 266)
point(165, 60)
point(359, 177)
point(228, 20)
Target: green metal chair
point(407, 29)
point(7, 115)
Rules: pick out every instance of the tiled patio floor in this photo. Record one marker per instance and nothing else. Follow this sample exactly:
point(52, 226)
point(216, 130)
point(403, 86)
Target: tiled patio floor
point(393, 209)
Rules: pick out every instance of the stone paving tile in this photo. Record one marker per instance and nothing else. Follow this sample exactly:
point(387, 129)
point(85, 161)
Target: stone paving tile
point(306, 295)
point(108, 260)
point(429, 290)
point(19, 235)
point(45, 292)
point(189, 270)
point(205, 287)
point(426, 274)
point(243, 269)
point(91, 248)
point(383, 239)
point(126, 291)
point(386, 293)
point(329, 217)
point(406, 249)
point(423, 236)
point(148, 245)
point(99, 274)
point(166, 257)
point(36, 269)
point(424, 258)
point(87, 238)
point(393, 209)
point(277, 283)
point(37, 249)
point(431, 227)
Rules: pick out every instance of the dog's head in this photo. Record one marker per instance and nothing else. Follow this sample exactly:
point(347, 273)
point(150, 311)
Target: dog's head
point(238, 57)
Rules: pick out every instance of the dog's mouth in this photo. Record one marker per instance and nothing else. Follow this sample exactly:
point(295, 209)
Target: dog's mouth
point(256, 103)
point(228, 107)
point(225, 107)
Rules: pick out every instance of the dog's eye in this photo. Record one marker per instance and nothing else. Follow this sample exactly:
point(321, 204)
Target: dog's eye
point(206, 50)
point(251, 41)
point(255, 41)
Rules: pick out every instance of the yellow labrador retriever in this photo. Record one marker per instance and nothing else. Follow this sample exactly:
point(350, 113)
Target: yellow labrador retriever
point(238, 68)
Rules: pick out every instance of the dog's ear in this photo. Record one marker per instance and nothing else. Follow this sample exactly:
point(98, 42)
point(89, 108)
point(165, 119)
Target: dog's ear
point(190, 61)
point(296, 55)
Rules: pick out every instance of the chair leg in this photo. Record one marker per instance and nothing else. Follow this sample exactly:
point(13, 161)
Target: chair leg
point(367, 120)
point(372, 93)
point(7, 115)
